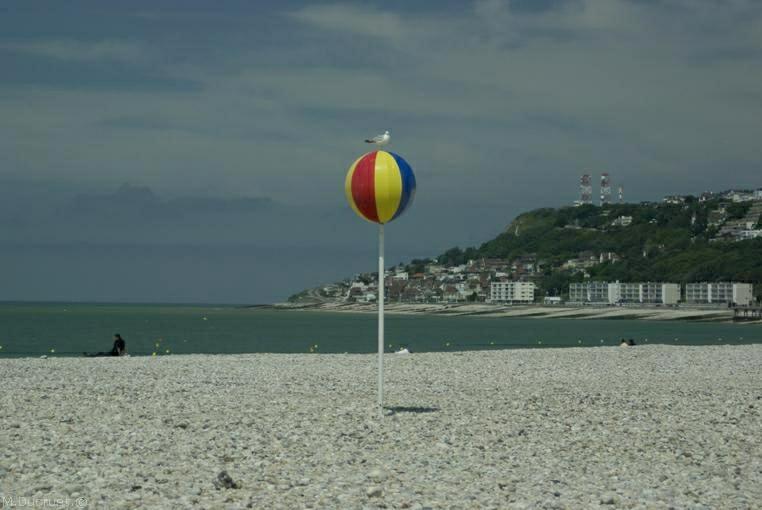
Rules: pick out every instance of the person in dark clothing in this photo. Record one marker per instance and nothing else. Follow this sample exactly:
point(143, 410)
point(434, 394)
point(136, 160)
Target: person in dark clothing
point(119, 349)
point(630, 342)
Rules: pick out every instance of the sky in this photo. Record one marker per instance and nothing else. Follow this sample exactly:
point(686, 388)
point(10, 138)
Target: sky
point(196, 151)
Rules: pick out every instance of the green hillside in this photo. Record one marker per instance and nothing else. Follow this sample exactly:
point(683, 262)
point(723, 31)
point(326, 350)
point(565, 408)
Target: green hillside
point(663, 242)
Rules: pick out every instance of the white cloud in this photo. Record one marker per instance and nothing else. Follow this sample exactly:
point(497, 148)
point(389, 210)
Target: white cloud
point(352, 19)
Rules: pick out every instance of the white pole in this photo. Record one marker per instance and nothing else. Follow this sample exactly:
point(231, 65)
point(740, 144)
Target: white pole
point(381, 319)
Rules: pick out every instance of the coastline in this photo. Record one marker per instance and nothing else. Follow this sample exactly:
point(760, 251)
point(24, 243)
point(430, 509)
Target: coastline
point(721, 315)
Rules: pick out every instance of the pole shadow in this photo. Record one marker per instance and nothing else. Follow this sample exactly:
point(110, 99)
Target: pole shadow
point(411, 409)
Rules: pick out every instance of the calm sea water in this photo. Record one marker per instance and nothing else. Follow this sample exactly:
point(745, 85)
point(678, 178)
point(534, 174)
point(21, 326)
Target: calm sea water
point(70, 329)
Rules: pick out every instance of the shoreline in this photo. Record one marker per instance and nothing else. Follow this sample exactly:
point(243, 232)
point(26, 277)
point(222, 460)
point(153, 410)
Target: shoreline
point(695, 314)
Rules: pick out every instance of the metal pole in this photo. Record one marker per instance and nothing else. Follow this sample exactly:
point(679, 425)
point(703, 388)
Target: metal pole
point(381, 319)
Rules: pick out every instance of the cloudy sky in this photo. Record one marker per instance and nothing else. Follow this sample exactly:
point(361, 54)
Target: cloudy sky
point(196, 151)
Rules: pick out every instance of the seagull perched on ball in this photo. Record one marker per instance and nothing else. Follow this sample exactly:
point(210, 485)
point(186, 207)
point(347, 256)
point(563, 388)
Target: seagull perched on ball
point(380, 140)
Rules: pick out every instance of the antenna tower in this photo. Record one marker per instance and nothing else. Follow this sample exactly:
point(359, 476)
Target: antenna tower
point(605, 189)
point(585, 190)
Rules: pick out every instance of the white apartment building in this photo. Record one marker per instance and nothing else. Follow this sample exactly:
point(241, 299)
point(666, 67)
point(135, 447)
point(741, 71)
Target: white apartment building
point(589, 292)
point(577, 293)
point(512, 292)
point(594, 292)
point(719, 292)
point(660, 293)
point(612, 293)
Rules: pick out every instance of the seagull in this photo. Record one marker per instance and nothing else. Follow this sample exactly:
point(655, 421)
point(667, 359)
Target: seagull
point(380, 140)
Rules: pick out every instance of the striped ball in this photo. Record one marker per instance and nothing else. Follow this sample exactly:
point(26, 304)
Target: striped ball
point(380, 185)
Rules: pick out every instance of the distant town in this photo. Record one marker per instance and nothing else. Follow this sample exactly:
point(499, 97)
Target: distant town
point(725, 217)
point(490, 281)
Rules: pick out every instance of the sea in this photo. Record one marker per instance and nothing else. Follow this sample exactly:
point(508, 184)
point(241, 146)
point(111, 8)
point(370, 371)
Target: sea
point(61, 329)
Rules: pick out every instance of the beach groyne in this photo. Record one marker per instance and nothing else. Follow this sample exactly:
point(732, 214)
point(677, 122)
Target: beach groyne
point(526, 311)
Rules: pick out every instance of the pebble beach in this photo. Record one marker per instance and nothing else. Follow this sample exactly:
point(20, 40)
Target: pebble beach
point(652, 426)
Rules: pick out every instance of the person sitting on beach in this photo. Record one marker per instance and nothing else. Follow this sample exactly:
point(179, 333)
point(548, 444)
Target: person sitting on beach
point(119, 349)
point(631, 342)
point(624, 343)
point(120, 346)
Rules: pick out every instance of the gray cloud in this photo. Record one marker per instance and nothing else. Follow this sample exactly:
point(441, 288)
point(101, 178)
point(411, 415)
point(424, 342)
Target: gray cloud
point(129, 203)
point(498, 105)
point(79, 51)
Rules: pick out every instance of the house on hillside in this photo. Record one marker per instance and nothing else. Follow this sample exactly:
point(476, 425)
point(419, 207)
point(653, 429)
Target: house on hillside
point(740, 196)
point(608, 256)
point(717, 216)
point(451, 294)
point(674, 199)
point(622, 221)
point(434, 269)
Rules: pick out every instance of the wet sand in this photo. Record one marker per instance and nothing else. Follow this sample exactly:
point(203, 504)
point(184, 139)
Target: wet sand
point(526, 311)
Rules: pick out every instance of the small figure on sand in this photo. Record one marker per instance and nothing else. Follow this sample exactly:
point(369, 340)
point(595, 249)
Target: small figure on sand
point(623, 343)
point(119, 349)
point(631, 342)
